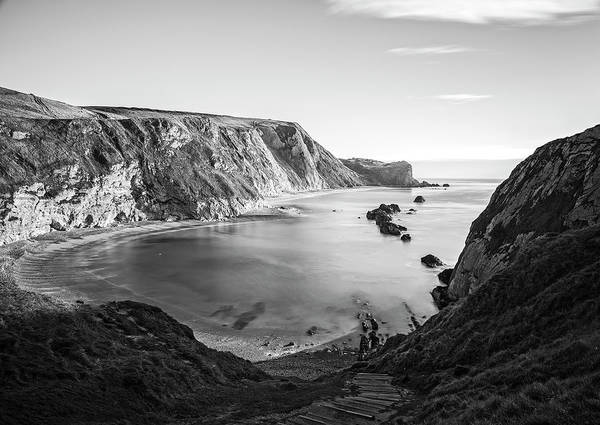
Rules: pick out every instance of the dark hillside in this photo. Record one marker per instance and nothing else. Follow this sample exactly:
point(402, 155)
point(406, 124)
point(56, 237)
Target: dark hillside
point(122, 363)
point(525, 347)
point(522, 343)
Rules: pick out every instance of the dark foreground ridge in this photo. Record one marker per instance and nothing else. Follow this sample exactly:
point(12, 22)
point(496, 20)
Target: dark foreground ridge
point(125, 362)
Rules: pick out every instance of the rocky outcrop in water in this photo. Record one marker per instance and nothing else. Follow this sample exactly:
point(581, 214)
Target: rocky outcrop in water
point(383, 219)
point(378, 173)
point(431, 261)
point(554, 190)
point(63, 166)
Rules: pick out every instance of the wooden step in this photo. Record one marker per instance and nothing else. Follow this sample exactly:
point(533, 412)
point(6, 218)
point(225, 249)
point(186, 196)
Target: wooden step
point(349, 411)
point(365, 407)
point(313, 420)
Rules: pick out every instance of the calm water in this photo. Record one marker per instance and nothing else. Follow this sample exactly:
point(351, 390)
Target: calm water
point(287, 275)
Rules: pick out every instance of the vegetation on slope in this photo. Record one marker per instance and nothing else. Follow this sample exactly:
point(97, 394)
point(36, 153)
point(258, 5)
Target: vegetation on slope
point(522, 349)
point(124, 362)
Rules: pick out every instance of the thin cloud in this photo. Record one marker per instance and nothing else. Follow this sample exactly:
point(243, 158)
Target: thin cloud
point(474, 11)
point(462, 97)
point(430, 50)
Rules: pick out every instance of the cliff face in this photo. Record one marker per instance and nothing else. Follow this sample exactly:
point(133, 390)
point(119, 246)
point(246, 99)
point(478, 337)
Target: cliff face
point(377, 173)
point(63, 166)
point(555, 189)
point(521, 345)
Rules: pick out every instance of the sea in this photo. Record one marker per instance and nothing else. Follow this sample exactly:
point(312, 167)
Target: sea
point(275, 278)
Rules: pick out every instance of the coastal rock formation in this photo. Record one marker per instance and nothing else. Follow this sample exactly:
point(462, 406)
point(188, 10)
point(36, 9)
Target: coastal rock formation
point(383, 218)
point(63, 166)
point(445, 275)
point(440, 296)
point(554, 190)
point(389, 228)
point(522, 343)
point(431, 260)
point(419, 199)
point(378, 173)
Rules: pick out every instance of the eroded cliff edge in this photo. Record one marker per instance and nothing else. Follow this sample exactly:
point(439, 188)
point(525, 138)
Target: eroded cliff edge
point(64, 166)
point(554, 190)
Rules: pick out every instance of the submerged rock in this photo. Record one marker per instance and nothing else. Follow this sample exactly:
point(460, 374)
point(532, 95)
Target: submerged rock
point(313, 330)
point(406, 237)
point(432, 261)
point(390, 228)
point(383, 218)
point(419, 199)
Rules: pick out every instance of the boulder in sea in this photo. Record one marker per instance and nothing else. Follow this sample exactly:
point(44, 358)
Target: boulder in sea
point(385, 208)
point(382, 218)
point(440, 296)
point(419, 199)
point(445, 185)
point(432, 261)
point(445, 276)
point(313, 330)
point(391, 229)
point(406, 237)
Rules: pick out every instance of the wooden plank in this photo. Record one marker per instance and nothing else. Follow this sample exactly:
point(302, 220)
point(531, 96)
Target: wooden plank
point(380, 398)
point(372, 381)
point(383, 403)
point(378, 387)
point(350, 412)
point(316, 421)
point(374, 375)
point(382, 393)
point(332, 421)
point(392, 396)
point(368, 408)
point(362, 403)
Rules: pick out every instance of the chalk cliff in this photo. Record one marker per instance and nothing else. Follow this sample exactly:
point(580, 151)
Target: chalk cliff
point(555, 189)
point(64, 166)
point(378, 173)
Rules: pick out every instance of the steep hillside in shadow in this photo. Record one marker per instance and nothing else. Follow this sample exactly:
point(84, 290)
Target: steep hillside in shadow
point(522, 343)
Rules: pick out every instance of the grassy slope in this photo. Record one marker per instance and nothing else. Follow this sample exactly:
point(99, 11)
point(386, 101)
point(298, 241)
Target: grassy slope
point(523, 349)
point(122, 362)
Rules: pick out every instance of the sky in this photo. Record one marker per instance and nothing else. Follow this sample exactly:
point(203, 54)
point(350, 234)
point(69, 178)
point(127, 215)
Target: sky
point(391, 80)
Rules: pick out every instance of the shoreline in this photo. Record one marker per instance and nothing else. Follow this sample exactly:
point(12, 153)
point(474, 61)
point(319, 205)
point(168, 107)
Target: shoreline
point(30, 272)
point(254, 344)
